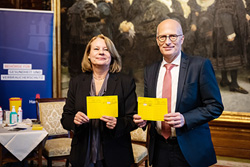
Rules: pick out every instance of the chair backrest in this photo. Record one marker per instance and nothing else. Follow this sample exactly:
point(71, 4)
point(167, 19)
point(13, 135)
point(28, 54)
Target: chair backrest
point(139, 136)
point(140, 143)
point(49, 113)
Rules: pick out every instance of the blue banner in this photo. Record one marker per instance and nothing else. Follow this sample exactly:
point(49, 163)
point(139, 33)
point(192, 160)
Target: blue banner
point(26, 46)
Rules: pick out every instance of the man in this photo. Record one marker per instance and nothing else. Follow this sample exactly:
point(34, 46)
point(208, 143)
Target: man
point(195, 100)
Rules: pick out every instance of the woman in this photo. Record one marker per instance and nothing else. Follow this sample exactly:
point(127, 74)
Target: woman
point(100, 142)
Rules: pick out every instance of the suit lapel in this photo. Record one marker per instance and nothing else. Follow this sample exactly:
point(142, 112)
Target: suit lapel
point(86, 81)
point(182, 77)
point(112, 82)
point(155, 77)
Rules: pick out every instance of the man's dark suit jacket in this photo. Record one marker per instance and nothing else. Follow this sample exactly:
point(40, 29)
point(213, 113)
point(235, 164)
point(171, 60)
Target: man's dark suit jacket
point(117, 148)
point(198, 100)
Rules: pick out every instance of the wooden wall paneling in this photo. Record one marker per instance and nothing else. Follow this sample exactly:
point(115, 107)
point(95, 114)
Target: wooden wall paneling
point(231, 134)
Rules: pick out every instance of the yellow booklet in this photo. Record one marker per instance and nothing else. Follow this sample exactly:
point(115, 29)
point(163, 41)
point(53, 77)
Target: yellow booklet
point(152, 109)
point(97, 106)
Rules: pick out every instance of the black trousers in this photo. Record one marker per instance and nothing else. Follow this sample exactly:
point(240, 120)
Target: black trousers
point(167, 153)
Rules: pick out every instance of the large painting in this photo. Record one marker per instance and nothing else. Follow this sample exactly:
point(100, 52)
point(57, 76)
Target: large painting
point(215, 29)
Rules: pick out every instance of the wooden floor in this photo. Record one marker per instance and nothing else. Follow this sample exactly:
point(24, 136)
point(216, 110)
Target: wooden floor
point(222, 162)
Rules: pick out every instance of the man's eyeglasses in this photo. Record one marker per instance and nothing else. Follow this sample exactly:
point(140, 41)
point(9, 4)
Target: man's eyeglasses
point(172, 37)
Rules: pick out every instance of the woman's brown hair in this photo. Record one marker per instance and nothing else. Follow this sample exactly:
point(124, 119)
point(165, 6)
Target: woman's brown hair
point(116, 63)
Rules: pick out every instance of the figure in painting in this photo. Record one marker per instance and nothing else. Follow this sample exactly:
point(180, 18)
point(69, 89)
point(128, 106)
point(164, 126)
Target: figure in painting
point(230, 37)
point(105, 9)
point(65, 4)
point(247, 2)
point(135, 23)
point(83, 24)
point(199, 36)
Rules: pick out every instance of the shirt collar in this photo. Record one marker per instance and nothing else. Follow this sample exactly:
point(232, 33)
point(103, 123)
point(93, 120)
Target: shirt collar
point(177, 61)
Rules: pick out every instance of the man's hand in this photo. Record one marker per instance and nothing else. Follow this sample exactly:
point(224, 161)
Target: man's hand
point(138, 121)
point(110, 121)
point(175, 120)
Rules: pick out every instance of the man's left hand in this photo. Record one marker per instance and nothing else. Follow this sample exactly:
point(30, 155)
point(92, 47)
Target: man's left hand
point(175, 120)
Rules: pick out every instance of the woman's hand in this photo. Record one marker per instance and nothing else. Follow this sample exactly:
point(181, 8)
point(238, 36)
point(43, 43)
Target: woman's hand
point(80, 118)
point(110, 121)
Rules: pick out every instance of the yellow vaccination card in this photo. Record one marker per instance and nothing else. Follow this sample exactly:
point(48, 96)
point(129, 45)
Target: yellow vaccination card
point(152, 109)
point(98, 106)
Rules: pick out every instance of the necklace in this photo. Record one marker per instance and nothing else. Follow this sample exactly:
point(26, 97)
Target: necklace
point(99, 79)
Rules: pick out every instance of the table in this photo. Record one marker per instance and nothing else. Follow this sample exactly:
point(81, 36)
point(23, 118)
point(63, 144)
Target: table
point(21, 144)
